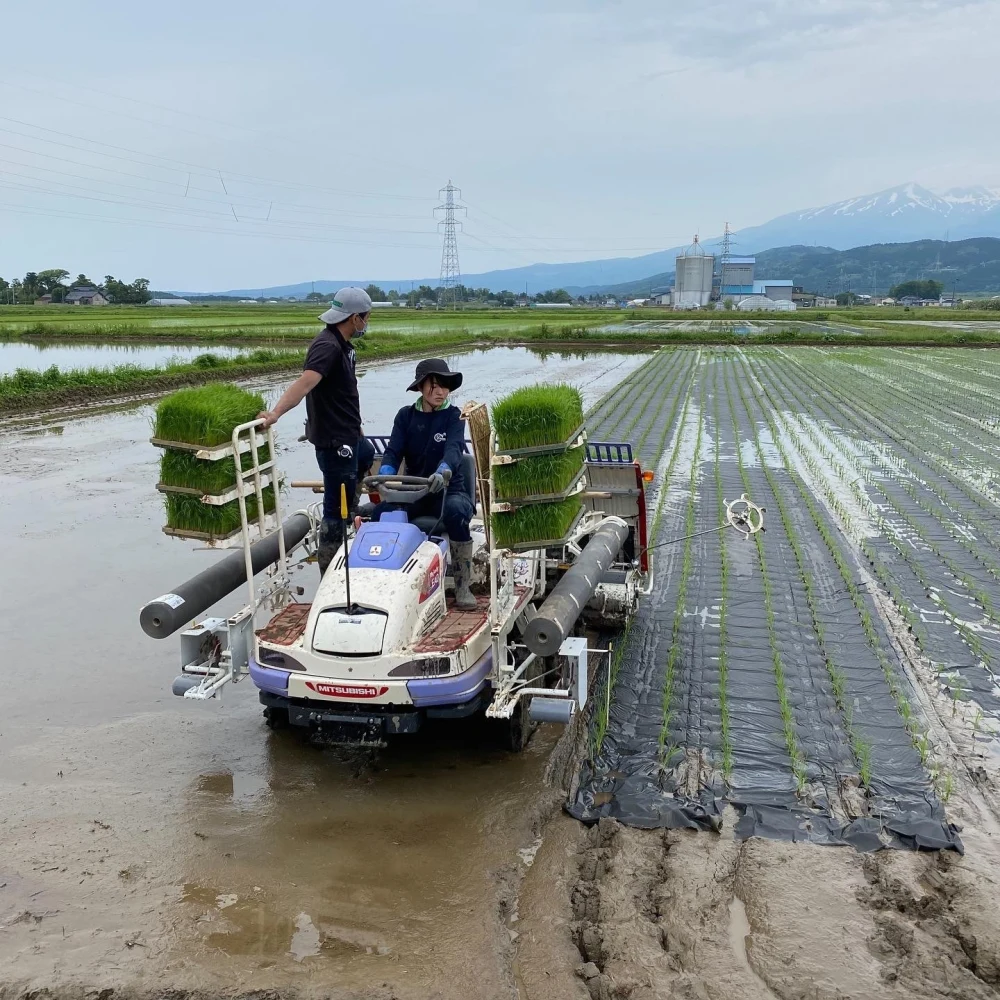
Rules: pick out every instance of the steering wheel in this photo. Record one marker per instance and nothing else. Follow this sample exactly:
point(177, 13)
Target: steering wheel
point(399, 489)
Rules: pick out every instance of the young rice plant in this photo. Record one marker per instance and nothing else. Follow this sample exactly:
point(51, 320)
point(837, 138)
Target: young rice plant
point(537, 415)
point(205, 415)
point(535, 522)
point(538, 474)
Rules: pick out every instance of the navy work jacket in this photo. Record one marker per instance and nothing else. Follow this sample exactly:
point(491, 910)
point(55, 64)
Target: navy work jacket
point(425, 440)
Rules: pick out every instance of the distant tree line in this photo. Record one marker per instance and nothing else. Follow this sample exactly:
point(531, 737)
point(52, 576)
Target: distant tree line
point(441, 296)
point(53, 282)
point(927, 289)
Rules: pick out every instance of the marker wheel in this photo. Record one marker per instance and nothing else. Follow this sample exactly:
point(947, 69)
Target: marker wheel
point(745, 516)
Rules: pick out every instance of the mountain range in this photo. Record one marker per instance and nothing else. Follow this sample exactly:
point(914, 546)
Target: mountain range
point(901, 214)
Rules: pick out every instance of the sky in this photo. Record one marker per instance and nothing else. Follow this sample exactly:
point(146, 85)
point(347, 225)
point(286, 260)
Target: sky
point(220, 145)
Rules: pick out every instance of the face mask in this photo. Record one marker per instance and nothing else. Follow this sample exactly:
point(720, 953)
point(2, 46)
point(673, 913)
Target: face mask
point(360, 333)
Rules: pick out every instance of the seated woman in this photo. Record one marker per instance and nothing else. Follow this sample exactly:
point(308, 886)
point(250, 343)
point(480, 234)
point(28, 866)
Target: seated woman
point(428, 436)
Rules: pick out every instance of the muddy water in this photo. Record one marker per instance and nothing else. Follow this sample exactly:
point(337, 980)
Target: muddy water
point(147, 842)
point(37, 357)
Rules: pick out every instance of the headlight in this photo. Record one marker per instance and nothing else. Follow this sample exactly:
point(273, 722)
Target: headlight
point(431, 667)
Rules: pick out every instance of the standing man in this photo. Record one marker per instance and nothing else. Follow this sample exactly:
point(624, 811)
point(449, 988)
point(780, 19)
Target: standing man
point(333, 412)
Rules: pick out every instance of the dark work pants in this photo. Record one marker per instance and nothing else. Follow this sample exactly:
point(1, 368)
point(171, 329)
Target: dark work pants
point(337, 471)
point(458, 512)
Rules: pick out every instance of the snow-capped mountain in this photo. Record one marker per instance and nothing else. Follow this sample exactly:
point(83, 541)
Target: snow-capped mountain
point(898, 215)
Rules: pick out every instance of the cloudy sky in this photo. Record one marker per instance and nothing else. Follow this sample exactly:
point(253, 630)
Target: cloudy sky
point(235, 144)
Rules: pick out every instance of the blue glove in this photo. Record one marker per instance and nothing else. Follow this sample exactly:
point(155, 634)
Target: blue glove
point(386, 470)
point(437, 482)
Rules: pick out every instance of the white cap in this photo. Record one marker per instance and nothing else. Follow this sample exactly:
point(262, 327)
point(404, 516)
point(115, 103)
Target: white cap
point(347, 302)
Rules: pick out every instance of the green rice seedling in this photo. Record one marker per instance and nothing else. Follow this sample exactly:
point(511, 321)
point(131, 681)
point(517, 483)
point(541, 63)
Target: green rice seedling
point(188, 513)
point(181, 468)
point(537, 415)
point(863, 754)
point(205, 415)
point(535, 522)
point(946, 788)
point(538, 475)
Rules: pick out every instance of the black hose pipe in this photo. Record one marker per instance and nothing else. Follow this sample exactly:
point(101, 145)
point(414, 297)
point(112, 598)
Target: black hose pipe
point(172, 611)
point(558, 614)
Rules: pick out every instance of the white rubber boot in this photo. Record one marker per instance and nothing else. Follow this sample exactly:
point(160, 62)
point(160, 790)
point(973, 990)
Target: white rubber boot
point(461, 570)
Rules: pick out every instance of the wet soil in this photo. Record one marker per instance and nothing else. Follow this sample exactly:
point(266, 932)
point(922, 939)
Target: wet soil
point(151, 845)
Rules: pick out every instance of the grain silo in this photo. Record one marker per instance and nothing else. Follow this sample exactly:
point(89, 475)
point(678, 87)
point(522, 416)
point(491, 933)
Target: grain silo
point(693, 282)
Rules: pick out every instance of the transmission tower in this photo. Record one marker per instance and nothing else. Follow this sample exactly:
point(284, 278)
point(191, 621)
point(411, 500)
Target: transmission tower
point(727, 250)
point(451, 272)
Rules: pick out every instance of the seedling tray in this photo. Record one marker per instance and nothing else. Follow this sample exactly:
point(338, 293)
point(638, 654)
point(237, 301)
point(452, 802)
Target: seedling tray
point(577, 486)
point(217, 499)
point(576, 440)
point(221, 541)
point(546, 543)
point(212, 454)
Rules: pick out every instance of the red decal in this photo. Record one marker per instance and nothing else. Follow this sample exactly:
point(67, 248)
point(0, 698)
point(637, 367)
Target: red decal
point(432, 579)
point(348, 690)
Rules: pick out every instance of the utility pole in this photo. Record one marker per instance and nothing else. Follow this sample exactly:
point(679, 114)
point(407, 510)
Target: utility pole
point(451, 273)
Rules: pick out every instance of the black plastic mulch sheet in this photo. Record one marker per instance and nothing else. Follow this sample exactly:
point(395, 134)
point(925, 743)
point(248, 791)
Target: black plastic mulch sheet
point(940, 537)
point(652, 775)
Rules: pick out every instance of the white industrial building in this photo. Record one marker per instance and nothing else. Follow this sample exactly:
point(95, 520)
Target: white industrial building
point(168, 302)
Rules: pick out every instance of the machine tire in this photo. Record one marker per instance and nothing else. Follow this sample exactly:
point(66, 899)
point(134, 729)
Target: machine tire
point(519, 728)
point(276, 718)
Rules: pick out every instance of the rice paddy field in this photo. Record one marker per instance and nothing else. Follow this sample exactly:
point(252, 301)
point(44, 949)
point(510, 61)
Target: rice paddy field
point(789, 781)
point(791, 674)
point(275, 335)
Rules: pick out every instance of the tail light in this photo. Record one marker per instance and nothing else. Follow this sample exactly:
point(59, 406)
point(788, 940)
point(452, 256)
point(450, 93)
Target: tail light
point(431, 667)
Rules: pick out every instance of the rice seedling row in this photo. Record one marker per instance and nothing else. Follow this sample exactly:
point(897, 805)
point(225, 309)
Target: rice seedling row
point(637, 400)
point(800, 671)
point(681, 392)
point(725, 725)
point(860, 746)
point(878, 747)
point(674, 651)
point(938, 597)
point(788, 728)
point(907, 544)
point(847, 524)
point(931, 499)
point(601, 408)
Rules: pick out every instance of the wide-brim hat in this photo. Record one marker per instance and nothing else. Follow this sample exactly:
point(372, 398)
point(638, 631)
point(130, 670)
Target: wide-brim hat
point(435, 366)
point(347, 302)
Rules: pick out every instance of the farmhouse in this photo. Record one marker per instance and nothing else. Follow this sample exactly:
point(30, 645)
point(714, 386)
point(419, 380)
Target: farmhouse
point(85, 295)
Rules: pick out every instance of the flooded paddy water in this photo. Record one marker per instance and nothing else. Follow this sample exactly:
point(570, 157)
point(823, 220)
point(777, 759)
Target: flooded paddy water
point(150, 843)
point(37, 355)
